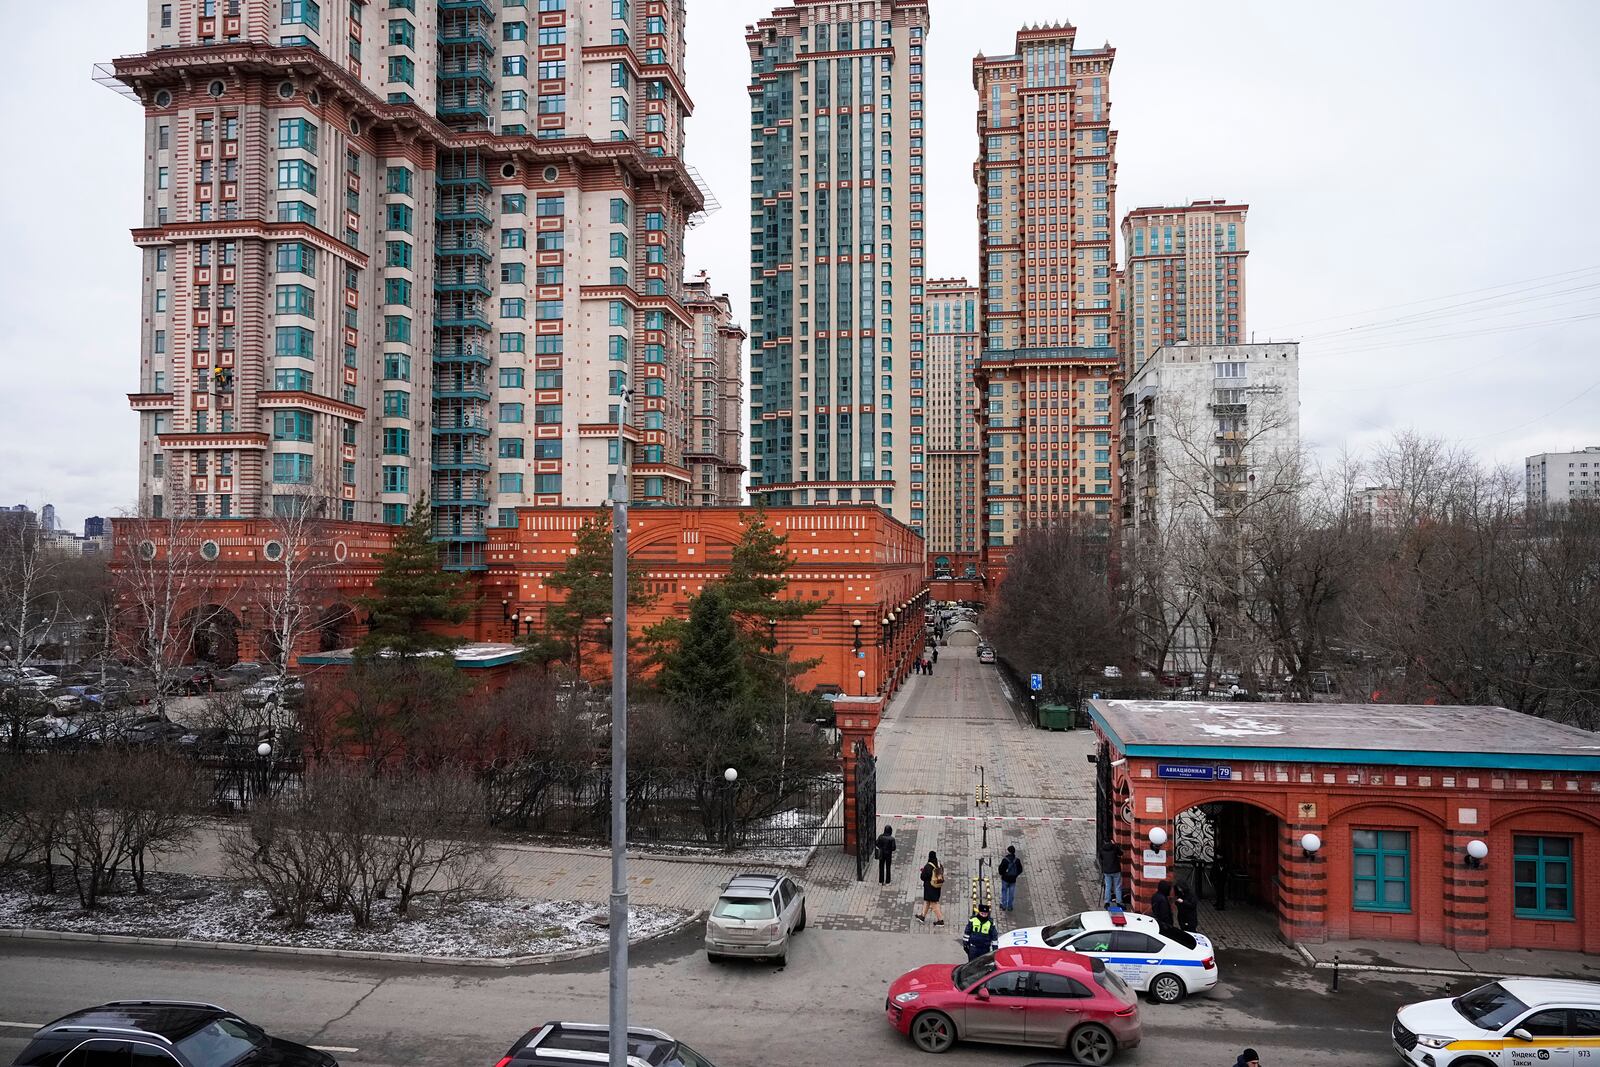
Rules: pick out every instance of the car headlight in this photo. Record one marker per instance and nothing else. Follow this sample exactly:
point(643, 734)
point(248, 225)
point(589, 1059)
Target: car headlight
point(905, 998)
point(1433, 1040)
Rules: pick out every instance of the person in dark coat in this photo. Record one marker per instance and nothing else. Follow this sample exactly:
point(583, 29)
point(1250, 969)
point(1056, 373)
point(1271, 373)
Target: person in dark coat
point(1010, 871)
point(932, 875)
point(1188, 907)
point(1161, 903)
point(1248, 1058)
point(1219, 880)
point(884, 850)
point(1109, 856)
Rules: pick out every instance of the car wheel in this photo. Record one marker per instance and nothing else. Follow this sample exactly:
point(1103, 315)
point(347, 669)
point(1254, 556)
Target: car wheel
point(712, 957)
point(1167, 988)
point(1092, 1044)
point(801, 925)
point(932, 1031)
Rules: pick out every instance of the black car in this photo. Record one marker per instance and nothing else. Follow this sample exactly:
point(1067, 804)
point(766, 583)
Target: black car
point(162, 1033)
point(555, 1043)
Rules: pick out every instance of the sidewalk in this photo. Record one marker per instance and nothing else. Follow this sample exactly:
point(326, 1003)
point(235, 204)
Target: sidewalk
point(1412, 958)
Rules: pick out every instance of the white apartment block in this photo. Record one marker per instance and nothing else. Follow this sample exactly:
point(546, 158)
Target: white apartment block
point(1555, 479)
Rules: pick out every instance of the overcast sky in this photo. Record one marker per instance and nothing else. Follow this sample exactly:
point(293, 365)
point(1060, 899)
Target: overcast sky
point(1421, 178)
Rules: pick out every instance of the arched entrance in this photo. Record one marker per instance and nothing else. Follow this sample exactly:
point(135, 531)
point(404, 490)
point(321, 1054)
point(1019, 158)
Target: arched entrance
point(1227, 851)
point(215, 632)
point(334, 628)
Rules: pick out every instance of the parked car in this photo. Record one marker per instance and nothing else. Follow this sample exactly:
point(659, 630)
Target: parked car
point(985, 654)
point(1018, 996)
point(67, 702)
point(285, 690)
point(755, 916)
point(241, 674)
point(180, 1033)
point(1512, 1021)
point(149, 730)
point(1163, 961)
point(588, 1043)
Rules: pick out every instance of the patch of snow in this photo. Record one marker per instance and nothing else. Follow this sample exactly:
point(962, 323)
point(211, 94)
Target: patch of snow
point(214, 909)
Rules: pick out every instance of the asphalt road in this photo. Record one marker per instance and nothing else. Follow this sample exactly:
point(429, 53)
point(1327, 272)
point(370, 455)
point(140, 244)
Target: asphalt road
point(824, 1010)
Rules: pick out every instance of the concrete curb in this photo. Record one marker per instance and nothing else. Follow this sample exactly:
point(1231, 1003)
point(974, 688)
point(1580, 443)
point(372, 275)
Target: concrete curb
point(708, 858)
point(32, 934)
point(1384, 968)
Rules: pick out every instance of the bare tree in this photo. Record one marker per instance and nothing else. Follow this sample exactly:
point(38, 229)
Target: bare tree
point(169, 594)
point(438, 839)
point(31, 611)
point(289, 596)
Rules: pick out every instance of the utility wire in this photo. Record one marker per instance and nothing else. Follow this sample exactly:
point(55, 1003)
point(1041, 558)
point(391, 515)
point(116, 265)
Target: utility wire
point(1492, 305)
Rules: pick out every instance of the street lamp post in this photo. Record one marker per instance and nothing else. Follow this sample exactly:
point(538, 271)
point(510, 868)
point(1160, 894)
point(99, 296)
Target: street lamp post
point(618, 978)
point(861, 677)
point(855, 624)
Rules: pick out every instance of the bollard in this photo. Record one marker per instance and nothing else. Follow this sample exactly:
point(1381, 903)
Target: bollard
point(1335, 972)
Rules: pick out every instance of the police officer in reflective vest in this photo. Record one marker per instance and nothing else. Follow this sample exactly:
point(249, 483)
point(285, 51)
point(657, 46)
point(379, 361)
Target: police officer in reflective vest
point(981, 933)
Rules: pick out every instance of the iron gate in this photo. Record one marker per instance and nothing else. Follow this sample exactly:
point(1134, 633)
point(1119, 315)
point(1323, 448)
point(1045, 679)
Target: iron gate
point(866, 772)
point(1102, 796)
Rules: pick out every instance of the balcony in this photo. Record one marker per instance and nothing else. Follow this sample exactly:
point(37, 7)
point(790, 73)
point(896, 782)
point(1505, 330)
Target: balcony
point(466, 170)
point(475, 425)
point(465, 494)
point(463, 244)
point(470, 7)
point(462, 204)
point(466, 68)
point(460, 387)
point(458, 105)
point(459, 315)
point(463, 276)
point(469, 456)
point(1229, 409)
point(461, 353)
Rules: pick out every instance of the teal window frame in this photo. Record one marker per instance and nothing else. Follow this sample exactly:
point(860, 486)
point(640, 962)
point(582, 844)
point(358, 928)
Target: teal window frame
point(402, 32)
point(1532, 865)
point(396, 478)
point(294, 341)
point(511, 413)
point(396, 404)
point(513, 203)
point(297, 211)
point(292, 380)
point(293, 426)
point(547, 483)
point(302, 13)
point(396, 441)
point(398, 180)
point(510, 482)
point(397, 328)
point(297, 174)
point(297, 133)
point(293, 468)
point(295, 257)
point(511, 448)
point(397, 254)
point(1384, 846)
point(394, 514)
point(397, 291)
point(296, 300)
point(399, 217)
point(403, 69)
point(511, 377)
point(397, 367)
point(513, 342)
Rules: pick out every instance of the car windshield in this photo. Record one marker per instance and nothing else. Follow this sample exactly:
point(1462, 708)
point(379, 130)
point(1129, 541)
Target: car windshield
point(220, 1043)
point(743, 908)
point(1489, 1007)
point(684, 1056)
point(1177, 936)
point(1112, 983)
point(1057, 935)
point(968, 974)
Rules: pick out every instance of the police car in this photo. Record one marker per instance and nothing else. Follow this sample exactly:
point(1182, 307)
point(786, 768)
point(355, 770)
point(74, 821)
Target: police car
point(1163, 961)
point(1539, 1022)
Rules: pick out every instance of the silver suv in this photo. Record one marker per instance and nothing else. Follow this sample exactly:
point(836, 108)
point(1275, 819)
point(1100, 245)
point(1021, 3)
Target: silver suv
point(555, 1043)
point(755, 916)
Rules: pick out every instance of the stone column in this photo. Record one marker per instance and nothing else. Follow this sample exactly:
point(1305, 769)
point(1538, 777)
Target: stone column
point(856, 719)
point(1303, 882)
point(1466, 889)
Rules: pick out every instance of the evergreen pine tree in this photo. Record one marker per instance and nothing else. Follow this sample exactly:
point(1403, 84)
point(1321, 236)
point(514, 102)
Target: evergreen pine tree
point(705, 681)
point(757, 577)
point(412, 593)
point(586, 580)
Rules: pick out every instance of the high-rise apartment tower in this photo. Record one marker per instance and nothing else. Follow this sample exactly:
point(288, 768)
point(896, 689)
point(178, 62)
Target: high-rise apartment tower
point(953, 498)
point(1048, 374)
point(716, 397)
point(836, 249)
point(415, 248)
point(1184, 277)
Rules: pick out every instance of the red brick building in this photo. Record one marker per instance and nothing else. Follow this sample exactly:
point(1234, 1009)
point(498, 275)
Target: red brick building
point(864, 566)
point(1394, 796)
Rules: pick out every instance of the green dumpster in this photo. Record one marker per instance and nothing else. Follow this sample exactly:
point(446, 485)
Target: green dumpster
point(1056, 717)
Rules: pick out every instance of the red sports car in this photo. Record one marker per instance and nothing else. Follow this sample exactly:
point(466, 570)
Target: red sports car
point(1018, 996)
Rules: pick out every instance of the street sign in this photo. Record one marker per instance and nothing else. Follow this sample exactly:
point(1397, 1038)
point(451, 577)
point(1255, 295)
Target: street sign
point(1036, 682)
point(1197, 772)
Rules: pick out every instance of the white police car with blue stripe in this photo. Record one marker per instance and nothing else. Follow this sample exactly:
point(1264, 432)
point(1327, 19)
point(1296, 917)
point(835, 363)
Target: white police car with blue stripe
point(1163, 961)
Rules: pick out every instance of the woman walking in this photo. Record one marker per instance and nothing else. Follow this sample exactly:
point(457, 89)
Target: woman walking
point(932, 888)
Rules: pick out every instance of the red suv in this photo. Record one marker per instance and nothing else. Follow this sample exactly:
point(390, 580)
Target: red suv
point(1018, 996)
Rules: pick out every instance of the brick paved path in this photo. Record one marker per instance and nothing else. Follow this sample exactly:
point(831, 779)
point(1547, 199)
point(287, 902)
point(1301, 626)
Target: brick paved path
point(936, 734)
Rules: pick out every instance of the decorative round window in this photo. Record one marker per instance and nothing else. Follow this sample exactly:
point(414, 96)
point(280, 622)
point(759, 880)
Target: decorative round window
point(147, 550)
point(273, 550)
point(508, 170)
point(286, 90)
point(216, 88)
point(163, 99)
point(551, 174)
point(341, 551)
point(209, 550)
point(355, 127)
point(315, 97)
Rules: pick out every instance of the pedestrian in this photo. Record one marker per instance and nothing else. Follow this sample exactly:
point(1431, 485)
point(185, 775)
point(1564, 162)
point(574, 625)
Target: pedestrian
point(884, 850)
point(980, 933)
point(1109, 855)
point(936, 653)
point(1248, 1058)
point(1188, 907)
point(932, 875)
point(1161, 903)
point(1010, 871)
point(1219, 880)
point(929, 663)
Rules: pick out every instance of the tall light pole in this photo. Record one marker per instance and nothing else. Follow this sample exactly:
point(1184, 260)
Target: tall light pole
point(618, 983)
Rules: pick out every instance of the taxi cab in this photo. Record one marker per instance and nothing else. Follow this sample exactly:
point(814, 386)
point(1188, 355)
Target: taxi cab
point(1540, 1022)
point(1163, 961)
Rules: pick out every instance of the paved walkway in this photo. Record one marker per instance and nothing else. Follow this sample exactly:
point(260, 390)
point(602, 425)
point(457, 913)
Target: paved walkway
point(937, 734)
